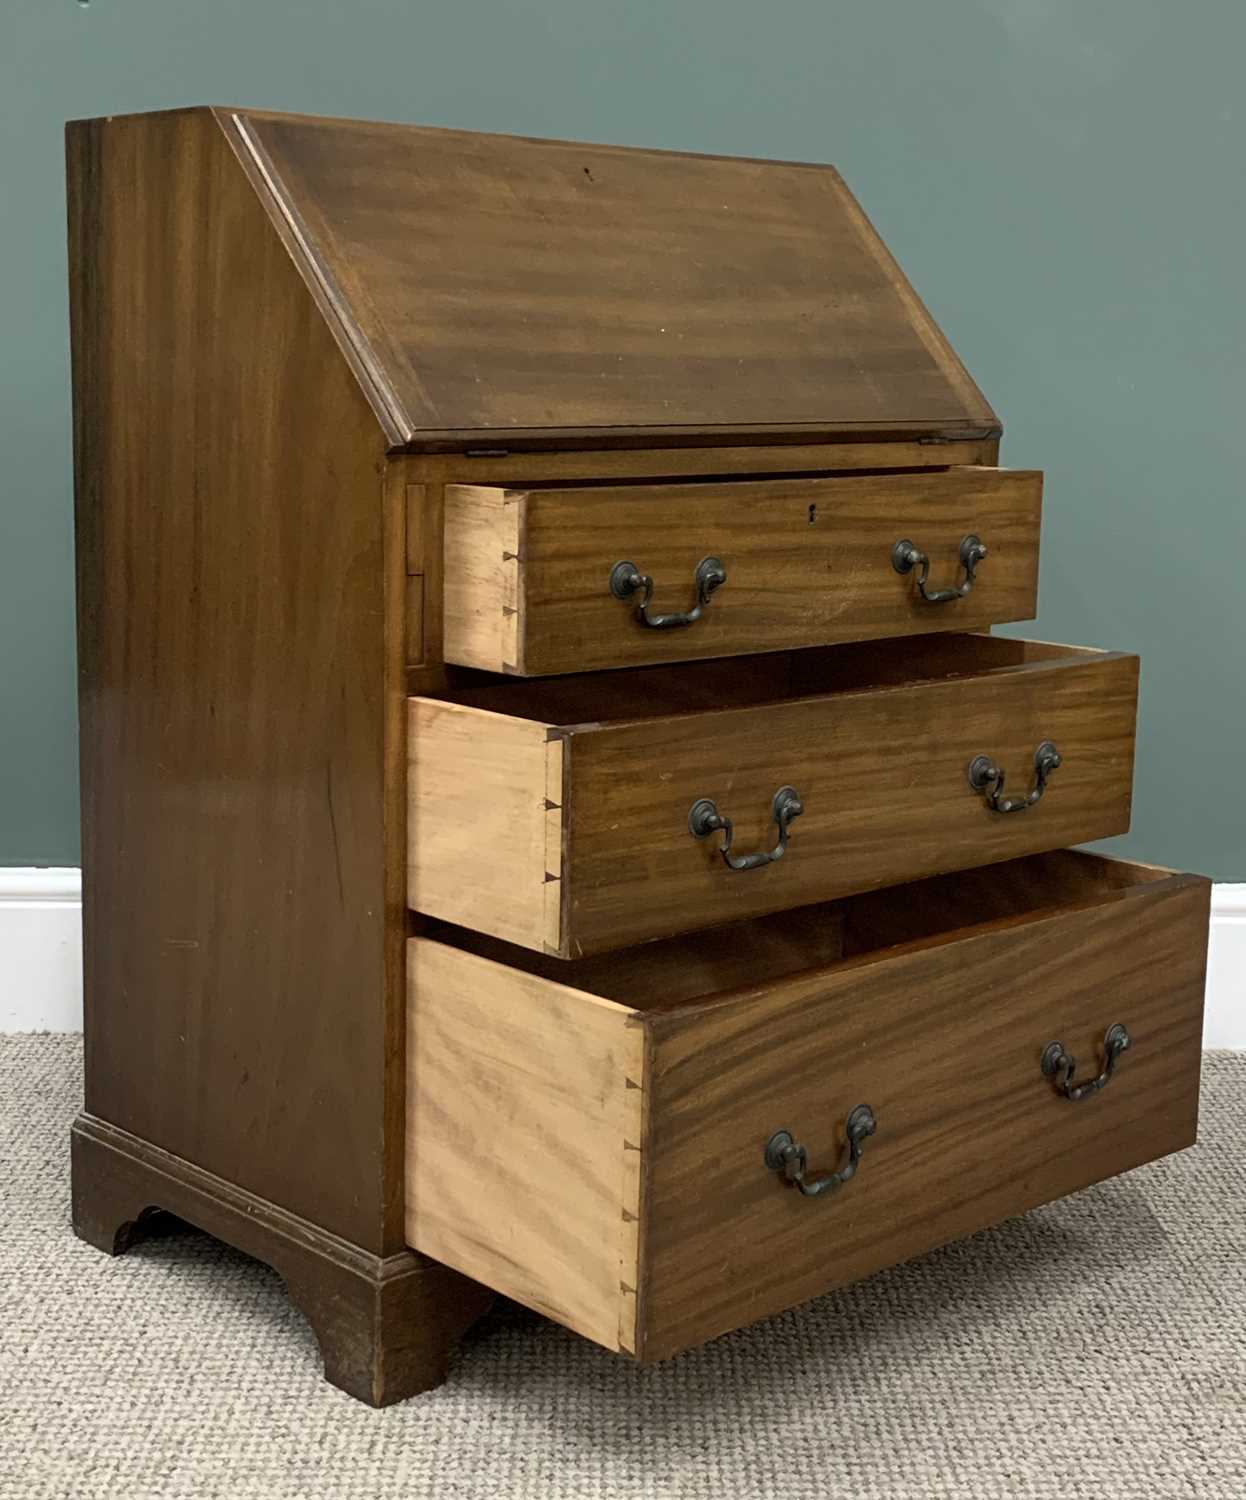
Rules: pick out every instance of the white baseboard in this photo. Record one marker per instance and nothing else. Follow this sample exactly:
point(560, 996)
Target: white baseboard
point(41, 956)
point(40, 950)
point(1224, 1023)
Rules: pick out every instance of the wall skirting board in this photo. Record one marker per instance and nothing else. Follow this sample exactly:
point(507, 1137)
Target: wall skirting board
point(1225, 1024)
point(41, 956)
point(40, 950)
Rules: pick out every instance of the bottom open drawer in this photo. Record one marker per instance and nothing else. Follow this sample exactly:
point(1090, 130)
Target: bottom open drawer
point(596, 1139)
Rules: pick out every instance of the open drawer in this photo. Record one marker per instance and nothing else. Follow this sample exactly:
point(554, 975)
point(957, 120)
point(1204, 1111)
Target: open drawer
point(578, 814)
point(610, 1149)
point(550, 579)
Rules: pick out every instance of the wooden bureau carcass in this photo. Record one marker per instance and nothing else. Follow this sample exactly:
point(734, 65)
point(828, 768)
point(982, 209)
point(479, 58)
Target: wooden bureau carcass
point(556, 820)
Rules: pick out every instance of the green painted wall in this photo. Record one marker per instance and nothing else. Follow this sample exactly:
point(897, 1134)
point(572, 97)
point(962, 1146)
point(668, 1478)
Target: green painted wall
point(1063, 181)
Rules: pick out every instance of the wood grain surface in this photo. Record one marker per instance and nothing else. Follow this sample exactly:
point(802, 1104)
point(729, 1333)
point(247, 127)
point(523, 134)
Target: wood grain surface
point(484, 582)
point(520, 465)
point(240, 663)
point(676, 294)
point(484, 823)
point(672, 971)
point(875, 739)
point(942, 1039)
point(882, 776)
point(519, 1126)
point(808, 563)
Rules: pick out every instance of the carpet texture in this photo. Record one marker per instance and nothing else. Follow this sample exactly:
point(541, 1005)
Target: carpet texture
point(1095, 1348)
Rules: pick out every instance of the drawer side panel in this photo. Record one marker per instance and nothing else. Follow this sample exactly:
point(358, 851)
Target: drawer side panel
point(484, 844)
point(523, 1137)
point(483, 581)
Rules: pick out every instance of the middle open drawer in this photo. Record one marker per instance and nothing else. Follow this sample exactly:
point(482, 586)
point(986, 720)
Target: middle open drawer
point(587, 812)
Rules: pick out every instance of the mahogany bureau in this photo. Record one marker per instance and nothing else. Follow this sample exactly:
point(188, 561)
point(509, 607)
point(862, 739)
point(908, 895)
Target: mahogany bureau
point(556, 820)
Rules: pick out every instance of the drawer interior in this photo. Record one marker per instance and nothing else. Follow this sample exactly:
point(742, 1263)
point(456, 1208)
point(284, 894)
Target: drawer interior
point(742, 682)
point(675, 971)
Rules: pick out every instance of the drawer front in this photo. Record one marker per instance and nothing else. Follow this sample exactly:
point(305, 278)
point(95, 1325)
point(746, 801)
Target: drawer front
point(607, 1164)
point(882, 778)
point(578, 839)
point(806, 562)
point(944, 1044)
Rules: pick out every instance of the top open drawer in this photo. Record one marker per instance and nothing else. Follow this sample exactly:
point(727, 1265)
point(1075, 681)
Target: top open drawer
point(552, 580)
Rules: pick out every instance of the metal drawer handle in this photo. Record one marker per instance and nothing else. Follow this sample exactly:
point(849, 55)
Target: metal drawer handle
point(1060, 1067)
point(988, 778)
point(906, 555)
point(626, 579)
point(789, 1158)
point(704, 819)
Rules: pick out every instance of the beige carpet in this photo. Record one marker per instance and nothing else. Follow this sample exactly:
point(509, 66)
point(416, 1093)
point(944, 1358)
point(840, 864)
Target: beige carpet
point(1096, 1348)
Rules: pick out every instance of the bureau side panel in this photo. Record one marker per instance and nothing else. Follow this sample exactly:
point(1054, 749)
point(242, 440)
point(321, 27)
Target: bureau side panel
point(243, 1006)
